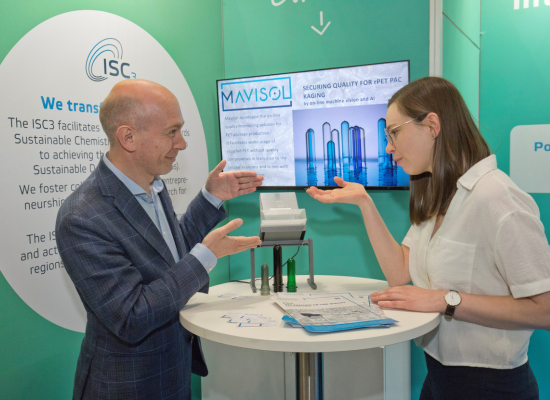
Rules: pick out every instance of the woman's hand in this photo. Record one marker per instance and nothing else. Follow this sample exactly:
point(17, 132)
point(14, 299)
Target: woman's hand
point(393, 259)
point(412, 298)
point(350, 193)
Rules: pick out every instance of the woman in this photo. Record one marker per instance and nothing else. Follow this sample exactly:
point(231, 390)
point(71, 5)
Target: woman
point(476, 251)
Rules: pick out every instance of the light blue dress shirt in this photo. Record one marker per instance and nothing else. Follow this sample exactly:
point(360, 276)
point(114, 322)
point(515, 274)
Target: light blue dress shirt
point(153, 207)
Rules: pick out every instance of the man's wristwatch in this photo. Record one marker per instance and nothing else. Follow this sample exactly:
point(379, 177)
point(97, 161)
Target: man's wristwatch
point(453, 299)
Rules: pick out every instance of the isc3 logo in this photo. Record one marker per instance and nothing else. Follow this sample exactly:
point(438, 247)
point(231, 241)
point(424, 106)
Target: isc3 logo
point(256, 94)
point(108, 55)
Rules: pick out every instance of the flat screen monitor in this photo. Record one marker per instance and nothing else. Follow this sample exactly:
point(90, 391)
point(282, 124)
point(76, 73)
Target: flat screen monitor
point(302, 129)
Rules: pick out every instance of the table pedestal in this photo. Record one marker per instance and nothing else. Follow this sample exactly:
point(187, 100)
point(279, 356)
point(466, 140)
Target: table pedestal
point(309, 376)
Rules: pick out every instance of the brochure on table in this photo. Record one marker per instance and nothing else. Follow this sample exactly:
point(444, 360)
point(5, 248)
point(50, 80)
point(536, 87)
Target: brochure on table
point(332, 312)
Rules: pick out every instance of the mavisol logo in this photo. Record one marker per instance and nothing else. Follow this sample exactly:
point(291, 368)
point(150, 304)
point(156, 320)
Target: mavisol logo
point(105, 59)
point(256, 94)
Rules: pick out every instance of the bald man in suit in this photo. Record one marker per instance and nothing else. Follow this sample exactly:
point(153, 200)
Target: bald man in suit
point(133, 263)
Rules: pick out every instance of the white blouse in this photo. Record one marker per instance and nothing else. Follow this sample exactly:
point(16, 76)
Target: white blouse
point(491, 242)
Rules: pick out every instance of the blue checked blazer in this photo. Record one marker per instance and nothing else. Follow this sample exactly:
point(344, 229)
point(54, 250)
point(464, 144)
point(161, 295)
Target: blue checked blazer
point(132, 289)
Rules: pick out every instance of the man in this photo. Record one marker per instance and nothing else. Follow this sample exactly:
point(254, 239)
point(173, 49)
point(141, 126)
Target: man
point(133, 263)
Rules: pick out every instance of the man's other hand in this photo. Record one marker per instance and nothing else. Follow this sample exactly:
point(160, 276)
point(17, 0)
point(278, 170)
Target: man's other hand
point(228, 185)
point(222, 245)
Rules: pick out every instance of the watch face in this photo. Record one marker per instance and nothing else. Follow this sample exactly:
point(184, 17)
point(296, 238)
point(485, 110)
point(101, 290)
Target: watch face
point(453, 298)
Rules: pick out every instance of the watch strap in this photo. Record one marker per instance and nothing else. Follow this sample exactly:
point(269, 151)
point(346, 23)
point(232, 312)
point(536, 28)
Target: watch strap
point(450, 312)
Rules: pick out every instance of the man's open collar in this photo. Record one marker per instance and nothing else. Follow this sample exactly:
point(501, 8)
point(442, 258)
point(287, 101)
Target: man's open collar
point(132, 186)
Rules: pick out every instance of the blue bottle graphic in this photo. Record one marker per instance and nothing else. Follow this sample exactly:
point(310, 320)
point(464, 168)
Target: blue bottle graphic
point(310, 150)
point(358, 149)
point(364, 159)
point(328, 148)
point(352, 151)
point(331, 144)
point(344, 141)
point(382, 142)
point(345, 155)
point(337, 150)
point(331, 157)
point(387, 171)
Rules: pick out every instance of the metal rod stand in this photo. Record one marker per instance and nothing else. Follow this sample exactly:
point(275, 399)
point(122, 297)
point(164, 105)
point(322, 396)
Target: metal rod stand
point(311, 280)
point(282, 243)
point(252, 272)
point(309, 376)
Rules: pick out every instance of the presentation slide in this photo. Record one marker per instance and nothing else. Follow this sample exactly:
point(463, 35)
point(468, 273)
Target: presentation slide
point(303, 129)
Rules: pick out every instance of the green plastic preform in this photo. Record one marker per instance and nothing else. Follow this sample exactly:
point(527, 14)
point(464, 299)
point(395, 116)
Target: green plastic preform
point(291, 284)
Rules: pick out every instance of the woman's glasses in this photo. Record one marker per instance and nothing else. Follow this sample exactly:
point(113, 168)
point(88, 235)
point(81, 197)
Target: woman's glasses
point(390, 134)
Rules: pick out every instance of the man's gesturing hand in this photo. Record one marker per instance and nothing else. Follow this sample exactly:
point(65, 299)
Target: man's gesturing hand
point(222, 245)
point(228, 185)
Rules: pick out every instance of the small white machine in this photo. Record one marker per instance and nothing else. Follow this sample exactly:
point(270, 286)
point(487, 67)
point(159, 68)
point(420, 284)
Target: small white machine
point(281, 219)
point(282, 224)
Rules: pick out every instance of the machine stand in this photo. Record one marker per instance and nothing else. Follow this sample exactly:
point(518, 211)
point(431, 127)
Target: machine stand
point(282, 243)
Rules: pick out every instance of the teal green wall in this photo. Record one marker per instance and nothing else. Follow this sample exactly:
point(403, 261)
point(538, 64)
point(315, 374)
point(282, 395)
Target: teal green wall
point(461, 49)
point(466, 14)
point(38, 358)
point(261, 39)
point(515, 87)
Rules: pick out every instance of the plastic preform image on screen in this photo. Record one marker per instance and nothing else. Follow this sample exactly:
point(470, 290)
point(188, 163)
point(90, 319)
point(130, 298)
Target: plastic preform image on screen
point(305, 128)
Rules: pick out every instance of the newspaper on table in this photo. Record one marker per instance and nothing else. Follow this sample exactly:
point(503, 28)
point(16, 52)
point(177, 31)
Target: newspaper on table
point(332, 312)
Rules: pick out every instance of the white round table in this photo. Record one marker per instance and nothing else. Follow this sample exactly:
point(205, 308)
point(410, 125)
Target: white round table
point(202, 316)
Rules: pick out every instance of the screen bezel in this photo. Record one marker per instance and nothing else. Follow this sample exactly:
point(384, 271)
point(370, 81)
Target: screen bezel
point(290, 188)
